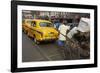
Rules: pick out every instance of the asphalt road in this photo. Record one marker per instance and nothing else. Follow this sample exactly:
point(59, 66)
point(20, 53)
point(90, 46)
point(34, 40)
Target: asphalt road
point(46, 51)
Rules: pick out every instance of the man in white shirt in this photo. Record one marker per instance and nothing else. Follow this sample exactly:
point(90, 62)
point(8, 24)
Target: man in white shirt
point(62, 38)
point(63, 31)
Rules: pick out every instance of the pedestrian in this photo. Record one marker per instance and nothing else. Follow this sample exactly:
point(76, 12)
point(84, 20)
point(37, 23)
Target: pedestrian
point(63, 28)
point(57, 24)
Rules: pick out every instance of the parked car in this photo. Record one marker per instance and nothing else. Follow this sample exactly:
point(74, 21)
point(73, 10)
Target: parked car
point(40, 30)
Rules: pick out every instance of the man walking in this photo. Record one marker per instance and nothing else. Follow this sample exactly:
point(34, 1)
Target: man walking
point(62, 36)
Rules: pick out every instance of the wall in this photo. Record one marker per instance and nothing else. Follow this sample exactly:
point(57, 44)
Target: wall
point(5, 32)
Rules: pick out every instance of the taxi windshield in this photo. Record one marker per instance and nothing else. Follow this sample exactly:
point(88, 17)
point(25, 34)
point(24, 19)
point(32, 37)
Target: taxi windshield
point(45, 24)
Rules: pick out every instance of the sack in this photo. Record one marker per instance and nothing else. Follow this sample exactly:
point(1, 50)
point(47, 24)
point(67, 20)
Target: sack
point(84, 25)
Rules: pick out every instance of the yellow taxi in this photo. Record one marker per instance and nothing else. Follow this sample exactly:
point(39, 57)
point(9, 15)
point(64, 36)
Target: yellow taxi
point(40, 30)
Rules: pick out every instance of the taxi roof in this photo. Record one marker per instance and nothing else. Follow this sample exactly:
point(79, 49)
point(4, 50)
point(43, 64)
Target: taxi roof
point(38, 20)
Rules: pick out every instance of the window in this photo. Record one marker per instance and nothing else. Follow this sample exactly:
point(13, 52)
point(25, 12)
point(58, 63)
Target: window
point(45, 24)
point(33, 23)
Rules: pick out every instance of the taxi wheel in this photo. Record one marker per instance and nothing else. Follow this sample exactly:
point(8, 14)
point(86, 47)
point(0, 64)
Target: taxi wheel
point(35, 40)
point(22, 29)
